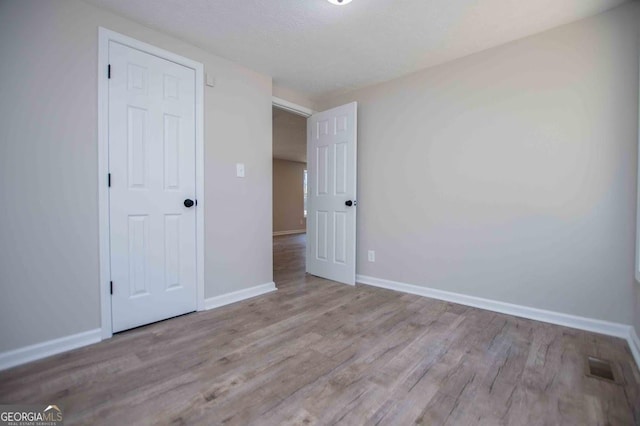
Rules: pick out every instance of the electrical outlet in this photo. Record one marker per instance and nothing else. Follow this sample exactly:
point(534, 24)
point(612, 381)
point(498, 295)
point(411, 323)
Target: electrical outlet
point(371, 256)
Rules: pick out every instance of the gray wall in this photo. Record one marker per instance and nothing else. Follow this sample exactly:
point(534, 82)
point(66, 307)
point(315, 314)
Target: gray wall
point(49, 158)
point(288, 196)
point(510, 174)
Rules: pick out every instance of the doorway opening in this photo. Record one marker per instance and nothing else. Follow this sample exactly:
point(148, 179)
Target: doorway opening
point(289, 179)
point(327, 142)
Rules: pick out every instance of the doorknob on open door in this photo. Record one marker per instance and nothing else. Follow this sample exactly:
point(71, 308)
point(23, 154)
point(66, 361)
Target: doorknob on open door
point(350, 203)
point(188, 203)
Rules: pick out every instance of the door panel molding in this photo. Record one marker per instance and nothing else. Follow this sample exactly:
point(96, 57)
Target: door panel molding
point(104, 37)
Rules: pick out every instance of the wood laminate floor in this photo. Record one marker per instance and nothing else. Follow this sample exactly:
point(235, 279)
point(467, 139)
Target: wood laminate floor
point(317, 352)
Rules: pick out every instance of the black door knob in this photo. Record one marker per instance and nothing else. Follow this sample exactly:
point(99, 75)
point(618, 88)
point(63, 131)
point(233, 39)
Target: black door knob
point(188, 203)
point(348, 203)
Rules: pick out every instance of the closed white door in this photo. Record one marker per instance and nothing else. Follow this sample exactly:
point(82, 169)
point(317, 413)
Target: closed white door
point(331, 178)
point(152, 175)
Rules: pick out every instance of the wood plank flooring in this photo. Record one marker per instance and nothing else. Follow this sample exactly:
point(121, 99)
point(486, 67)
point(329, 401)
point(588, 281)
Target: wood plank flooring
point(318, 352)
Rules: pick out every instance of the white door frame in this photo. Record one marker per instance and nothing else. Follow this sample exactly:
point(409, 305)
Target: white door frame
point(104, 37)
point(291, 107)
point(295, 109)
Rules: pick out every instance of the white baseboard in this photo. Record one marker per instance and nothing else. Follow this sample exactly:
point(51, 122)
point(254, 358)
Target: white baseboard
point(56, 346)
point(581, 323)
point(634, 345)
point(295, 231)
point(237, 296)
point(51, 347)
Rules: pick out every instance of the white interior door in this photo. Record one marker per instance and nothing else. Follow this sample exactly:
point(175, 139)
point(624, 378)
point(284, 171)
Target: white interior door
point(331, 178)
point(152, 174)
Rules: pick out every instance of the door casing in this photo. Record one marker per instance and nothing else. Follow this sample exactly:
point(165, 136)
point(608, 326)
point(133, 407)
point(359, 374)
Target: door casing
point(104, 37)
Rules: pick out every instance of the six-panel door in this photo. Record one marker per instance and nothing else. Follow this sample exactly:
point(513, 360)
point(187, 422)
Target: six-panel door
point(152, 167)
point(331, 165)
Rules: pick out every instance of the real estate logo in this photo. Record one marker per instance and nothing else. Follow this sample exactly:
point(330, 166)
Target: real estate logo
point(31, 415)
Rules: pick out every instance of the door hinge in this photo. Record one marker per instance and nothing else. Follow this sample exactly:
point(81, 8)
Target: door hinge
point(109, 179)
point(109, 71)
point(110, 287)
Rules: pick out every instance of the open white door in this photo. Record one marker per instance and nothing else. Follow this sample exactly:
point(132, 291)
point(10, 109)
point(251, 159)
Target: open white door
point(331, 218)
point(152, 161)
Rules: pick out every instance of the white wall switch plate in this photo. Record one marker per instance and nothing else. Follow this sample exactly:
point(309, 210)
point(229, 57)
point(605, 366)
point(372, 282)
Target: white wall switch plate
point(371, 255)
point(210, 80)
point(240, 170)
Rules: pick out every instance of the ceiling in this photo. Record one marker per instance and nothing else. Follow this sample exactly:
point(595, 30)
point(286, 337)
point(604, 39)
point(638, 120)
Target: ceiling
point(316, 48)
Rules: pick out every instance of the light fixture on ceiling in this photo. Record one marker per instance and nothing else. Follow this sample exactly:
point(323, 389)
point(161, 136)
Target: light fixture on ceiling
point(339, 2)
